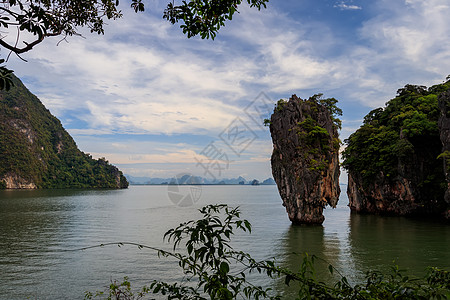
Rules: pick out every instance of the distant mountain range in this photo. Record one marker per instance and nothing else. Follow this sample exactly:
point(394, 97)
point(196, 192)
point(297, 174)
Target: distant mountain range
point(190, 179)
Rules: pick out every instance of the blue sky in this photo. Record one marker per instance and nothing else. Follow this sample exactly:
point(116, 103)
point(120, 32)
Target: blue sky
point(156, 104)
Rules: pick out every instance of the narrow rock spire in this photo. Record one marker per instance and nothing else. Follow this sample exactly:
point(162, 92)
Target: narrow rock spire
point(305, 158)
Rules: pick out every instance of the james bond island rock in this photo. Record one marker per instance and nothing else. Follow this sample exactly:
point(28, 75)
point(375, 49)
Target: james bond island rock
point(444, 128)
point(37, 152)
point(392, 159)
point(305, 158)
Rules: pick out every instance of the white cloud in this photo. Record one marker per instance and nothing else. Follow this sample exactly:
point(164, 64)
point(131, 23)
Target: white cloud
point(152, 80)
point(343, 6)
point(181, 156)
point(165, 86)
point(141, 88)
point(414, 37)
point(89, 131)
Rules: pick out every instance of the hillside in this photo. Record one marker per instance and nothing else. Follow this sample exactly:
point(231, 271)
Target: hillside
point(37, 152)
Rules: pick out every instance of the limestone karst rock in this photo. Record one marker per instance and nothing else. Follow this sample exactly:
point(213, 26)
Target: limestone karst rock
point(305, 158)
point(444, 130)
point(392, 159)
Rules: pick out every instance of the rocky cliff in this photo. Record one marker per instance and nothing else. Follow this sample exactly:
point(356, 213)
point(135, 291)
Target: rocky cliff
point(392, 158)
point(444, 129)
point(37, 152)
point(305, 159)
point(390, 196)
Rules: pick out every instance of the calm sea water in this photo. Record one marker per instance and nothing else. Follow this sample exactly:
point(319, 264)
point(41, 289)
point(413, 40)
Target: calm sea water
point(36, 227)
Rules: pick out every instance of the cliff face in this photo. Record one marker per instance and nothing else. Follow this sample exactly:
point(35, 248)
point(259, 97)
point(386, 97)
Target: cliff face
point(402, 195)
point(13, 181)
point(444, 129)
point(305, 162)
point(37, 152)
point(392, 158)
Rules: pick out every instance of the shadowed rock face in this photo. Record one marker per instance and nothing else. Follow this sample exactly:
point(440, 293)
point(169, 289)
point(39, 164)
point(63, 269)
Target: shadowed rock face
point(305, 161)
point(405, 194)
point(444, 130)
point(383, 196)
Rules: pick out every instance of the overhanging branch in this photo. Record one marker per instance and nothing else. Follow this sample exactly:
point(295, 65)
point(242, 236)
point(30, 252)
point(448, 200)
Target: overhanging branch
point(28, 46)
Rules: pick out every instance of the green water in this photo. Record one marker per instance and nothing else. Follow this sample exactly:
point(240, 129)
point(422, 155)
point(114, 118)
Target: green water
point(36, 227)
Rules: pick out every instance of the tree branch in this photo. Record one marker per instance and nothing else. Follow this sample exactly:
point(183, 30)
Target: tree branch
point(29, 46)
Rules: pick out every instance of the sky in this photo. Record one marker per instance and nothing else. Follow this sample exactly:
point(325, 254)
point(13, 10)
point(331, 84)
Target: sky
point(155, 103)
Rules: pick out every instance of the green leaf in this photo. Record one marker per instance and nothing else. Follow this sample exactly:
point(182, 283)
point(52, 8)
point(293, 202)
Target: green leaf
point(224, 268)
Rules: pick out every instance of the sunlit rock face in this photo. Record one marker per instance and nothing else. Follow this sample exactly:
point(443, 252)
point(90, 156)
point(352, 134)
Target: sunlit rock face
point(12, 181)
point(305, 159)
point(444, 130)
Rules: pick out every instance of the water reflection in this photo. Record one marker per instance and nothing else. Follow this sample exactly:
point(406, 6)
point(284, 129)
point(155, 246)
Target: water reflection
point(28, 229)
point(376, 242)
point(310, 239)
point(355, 244)
point(36, 225)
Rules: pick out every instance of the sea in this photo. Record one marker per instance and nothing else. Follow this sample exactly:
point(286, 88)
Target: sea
point(42, 232)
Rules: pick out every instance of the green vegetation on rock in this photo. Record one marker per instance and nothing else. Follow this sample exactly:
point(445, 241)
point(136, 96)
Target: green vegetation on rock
point(36, 149)
point(305, 157)
point(401, 139)
point(315, 138)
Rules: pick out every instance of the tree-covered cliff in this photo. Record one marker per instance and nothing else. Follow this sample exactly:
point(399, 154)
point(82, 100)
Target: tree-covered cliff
point(392, 159)
point(37, 152)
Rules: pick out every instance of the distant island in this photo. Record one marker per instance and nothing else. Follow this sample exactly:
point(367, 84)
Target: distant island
point(37, 152)
point(188, 179)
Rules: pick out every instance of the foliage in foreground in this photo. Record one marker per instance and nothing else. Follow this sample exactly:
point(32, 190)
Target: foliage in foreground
point(214, 270)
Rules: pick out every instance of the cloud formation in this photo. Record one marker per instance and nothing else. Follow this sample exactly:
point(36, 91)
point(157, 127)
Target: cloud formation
point(343, 6)
point(144, 78)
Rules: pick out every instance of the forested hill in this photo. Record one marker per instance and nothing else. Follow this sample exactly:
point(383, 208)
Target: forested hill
point(393, 158)
point(37, 152)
